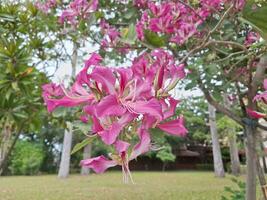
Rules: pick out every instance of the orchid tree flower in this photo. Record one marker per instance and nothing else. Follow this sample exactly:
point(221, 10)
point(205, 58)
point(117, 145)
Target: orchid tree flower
point(122, 157)
point(263, 96)
point(123, 104)
point(254, 114)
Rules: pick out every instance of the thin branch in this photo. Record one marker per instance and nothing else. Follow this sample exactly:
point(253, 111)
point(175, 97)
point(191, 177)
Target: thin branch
point(217, 105)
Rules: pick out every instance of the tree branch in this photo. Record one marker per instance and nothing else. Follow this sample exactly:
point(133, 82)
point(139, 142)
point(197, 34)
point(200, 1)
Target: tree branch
point(217, 105)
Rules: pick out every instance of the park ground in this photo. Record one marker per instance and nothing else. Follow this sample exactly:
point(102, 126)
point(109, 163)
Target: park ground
point(109, 186)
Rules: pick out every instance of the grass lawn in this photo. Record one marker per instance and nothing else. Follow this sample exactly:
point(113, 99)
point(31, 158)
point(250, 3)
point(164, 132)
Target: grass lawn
point(108, 186)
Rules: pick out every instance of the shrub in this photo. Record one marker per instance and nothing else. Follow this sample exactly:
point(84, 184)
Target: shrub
point(238, 194)
point(26, 159)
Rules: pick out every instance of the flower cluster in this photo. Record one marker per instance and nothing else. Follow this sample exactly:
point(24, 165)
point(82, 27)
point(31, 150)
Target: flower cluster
point(112, 38)
point(260, 97)
point(251, 38)
point(177, 20)
point(263, 96)
point(123, 104)
point(77, 10)
point(45, 6)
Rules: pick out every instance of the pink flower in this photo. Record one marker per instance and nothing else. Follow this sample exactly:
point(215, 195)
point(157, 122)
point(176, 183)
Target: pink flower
point(174, 127)
point(140, 31)
point(78, 9)
point(122, 100)
point(140, 3)
point(262, 96)
point(47, 6)
point(55, 96)
point(251, 38)
point(254, 114)
point(99, 164)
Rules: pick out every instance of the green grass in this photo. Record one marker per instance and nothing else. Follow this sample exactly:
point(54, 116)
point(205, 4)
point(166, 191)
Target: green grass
point(109, 186)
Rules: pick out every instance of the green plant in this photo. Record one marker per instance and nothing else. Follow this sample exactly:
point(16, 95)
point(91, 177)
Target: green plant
point(235, 194)
point(26, 159)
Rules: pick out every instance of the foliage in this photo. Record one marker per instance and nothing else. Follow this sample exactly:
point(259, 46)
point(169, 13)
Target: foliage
point(235, 194)
point(26, 159)
point(165, 155)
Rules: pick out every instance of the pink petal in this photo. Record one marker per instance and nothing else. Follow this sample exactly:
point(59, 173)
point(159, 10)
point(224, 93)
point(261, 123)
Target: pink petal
point(84, 118)
point(125, 77)
point(95, 59)
point(143, 146)
point(105, 77)
point(96, 126)
point(174, 127)
point(159, 78)
point(99, 164)
point(110, 135)
point(169, 110)
point(121, 146)
point(151, 107)
point(109, 106)
point(254, 114)
point(148, 122)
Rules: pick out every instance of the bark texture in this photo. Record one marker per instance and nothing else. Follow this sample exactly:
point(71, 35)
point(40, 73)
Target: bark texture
point(86, 154)
point(217, 155)
point(251, 163)
point(235, 162)
point(64, 167)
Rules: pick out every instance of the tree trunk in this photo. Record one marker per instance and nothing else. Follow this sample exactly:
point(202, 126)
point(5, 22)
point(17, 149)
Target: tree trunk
point(6, 138)
point(64, 167)
point(263, 157)
point(86, 154)
point(65, 156)
point(217, 156)
point(262, 179)
point(251, 158)
point(4, 158)
point(235, 162)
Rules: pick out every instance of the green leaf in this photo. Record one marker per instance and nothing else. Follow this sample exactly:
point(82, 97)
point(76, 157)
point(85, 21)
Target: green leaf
point(130, 13)
point(82, 144)
point(15, 86)
point(129, 34)
point(154, 39)
point(256, 17)
point(7, 17)
point(59, 112)
point(83, 127)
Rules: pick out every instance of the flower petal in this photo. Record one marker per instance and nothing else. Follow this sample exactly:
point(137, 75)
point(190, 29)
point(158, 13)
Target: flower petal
point(121, 146)
point(99, 164)
point(143, 146)
point(174, 127)
point(109, 106)
point(254, 114)
point(110, 135)
point(105, 77)
point(151, 107)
